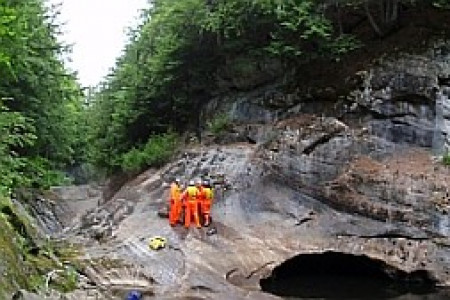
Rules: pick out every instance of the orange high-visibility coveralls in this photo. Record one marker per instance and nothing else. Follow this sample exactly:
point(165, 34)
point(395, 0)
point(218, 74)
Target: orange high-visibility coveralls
point(191, 206)
point(174, 203)
point(207, 198)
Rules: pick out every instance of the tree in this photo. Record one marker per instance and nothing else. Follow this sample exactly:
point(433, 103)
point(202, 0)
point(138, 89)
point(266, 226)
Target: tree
point(175, 57)
point(42, 96)
point(15, 134)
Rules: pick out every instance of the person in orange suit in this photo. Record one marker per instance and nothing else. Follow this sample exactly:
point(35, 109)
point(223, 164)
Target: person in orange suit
point(175, 204)
point(207, 198)
point(191, 205)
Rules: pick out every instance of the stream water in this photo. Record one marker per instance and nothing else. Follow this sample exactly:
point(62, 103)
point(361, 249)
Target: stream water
point(344, 288)
point(339, 276)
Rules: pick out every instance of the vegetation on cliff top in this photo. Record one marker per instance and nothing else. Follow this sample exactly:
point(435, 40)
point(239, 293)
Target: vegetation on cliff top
point(186, 52)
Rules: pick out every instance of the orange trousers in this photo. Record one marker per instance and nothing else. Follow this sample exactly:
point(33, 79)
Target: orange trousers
point(175, 211)
point(206, 211)
point(191, 210)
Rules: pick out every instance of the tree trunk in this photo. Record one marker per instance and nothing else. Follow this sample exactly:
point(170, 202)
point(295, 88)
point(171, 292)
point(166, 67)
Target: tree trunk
point(388, 16)
point(372, 21)
point(394, 15)
point(383, 4)
point(339, 17)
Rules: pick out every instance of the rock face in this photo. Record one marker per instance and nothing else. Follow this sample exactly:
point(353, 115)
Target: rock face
point(266, 214)
point(441, 138)
point(407, 98)
point(359, 179)
point(403, 100)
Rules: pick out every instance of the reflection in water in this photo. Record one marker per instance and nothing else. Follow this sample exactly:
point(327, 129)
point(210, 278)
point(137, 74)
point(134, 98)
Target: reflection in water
point(341, 276)
point(330, 288)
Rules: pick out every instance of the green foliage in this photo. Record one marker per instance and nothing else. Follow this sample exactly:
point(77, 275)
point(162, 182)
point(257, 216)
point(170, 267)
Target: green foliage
point(11, 259)
point(40, 122)
point(16, 236)
point(219, 124)
point(168, 69)
point(39, 172)
point(445, 4)
point(17, 171)
point(446, 159)
point(285, 29)
point(36, 282)
point(184, 53)
point(170, 64)
point(51, 273)
point(19, 223)
point(68, 280)
point(63, 280)
point(40, 105)
point(157, 151)
point(15, 132)
point(24, 265)
point(152, 87)
point(343, 44)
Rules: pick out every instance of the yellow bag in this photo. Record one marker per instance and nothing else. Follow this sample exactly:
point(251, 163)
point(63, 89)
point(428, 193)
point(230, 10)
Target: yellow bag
point(157, 243)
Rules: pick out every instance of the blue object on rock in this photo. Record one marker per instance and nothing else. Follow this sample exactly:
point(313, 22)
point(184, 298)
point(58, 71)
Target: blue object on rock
point(134, 295)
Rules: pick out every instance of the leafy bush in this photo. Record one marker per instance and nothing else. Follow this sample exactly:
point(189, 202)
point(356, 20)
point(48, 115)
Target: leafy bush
point(132, 160)
point(219, 124)
point(446, 159)
point(67, 280)
point(156, 152)
point(39, 172)
point(445, 4)
point(15, 132)
point(343, 44)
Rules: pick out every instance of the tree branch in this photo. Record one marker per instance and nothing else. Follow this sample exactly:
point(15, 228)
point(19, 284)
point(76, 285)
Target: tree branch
point(372, 22)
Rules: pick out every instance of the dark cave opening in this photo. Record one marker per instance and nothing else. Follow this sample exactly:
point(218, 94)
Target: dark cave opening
point(334, 275)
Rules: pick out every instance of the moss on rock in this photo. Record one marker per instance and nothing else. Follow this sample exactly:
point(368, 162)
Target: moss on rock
point(14, 269)
point(24, 264)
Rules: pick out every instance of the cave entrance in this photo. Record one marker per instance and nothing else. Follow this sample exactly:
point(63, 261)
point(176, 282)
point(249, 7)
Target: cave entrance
point(334, 275)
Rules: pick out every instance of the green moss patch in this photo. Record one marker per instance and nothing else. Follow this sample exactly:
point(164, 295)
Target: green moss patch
point(14, 269)
point(28, 260)
point(446, 159)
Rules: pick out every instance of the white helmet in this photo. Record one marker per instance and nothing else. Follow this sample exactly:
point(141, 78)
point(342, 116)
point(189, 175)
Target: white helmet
point(191, 182)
